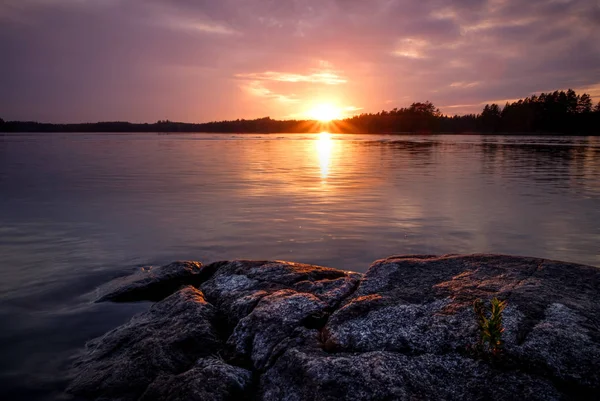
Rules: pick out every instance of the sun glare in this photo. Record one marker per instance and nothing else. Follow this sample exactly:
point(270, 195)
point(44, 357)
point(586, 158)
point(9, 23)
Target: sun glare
point(325, 112)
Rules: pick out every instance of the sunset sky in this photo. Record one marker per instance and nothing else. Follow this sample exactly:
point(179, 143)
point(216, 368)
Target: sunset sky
point(203, 60)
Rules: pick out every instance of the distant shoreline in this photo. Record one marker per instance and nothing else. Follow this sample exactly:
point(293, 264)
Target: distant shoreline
point(556, 113)
point(424, 134)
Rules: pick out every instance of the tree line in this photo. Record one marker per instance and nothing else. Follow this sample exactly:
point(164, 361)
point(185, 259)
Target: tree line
point(558, 112)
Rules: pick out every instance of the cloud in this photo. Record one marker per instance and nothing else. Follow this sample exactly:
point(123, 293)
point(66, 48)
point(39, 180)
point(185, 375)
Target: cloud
point(277, 86)
point(376, 54)
point(411, 48)
point(592, 90)
point(256, 88)
point(321, 77)
point(199, 26)
point(464, 84)
point(172, 16)
point(18, 10)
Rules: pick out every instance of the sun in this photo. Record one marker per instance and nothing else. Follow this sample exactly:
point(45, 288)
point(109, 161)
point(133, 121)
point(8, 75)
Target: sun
point(325, 112)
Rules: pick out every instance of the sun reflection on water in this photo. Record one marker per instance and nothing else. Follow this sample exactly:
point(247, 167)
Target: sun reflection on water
point(324, 147)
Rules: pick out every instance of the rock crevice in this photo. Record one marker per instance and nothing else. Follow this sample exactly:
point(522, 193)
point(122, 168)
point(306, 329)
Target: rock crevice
point(275, 330)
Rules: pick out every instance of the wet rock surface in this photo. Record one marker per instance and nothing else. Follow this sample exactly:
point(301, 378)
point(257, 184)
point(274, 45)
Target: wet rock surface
point(154, 283)
point(274, 330)
point(168, 339)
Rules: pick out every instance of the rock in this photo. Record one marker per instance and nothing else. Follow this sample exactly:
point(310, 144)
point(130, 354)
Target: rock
point(404, 330)
point(155, 283)
point(238, 286)
point(210, 379)
point(409, 328)
point(380, 375)
point(168, 339)
point(560, 346)
point(277, 318)
point(424, 305)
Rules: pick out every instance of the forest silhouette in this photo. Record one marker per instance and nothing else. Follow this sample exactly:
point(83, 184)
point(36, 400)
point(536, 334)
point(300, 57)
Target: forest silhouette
point(558, 112)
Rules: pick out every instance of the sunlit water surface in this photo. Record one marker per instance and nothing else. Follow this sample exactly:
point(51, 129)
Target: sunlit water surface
point(79, 209)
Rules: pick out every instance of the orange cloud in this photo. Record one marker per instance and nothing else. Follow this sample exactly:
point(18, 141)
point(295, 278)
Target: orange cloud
point(256, 88)
point(321, 77)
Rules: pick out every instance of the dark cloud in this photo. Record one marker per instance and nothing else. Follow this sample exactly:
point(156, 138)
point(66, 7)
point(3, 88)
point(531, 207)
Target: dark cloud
point(75, 60)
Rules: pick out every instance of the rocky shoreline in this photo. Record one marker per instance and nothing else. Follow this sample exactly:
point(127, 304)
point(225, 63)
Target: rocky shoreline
point(404, 330)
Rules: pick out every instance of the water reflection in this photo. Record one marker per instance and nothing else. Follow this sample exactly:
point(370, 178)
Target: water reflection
point(324, 146)
point(77, 209)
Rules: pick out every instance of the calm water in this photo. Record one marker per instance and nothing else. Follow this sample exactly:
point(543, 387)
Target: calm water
point(79, 209)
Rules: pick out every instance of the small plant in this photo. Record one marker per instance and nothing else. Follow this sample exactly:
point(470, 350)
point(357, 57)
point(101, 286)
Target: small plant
point(490, 325)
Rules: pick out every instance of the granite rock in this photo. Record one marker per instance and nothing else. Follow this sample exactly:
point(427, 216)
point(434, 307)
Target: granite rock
point(210, 379)
point(405, 330)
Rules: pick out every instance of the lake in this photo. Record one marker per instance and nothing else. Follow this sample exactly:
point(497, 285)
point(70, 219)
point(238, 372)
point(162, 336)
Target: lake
point(79, 209)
